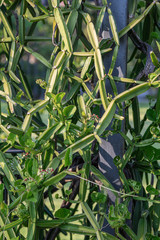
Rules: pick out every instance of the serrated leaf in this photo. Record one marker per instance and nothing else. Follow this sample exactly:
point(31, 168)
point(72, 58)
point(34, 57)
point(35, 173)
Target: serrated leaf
point(135, 185)
point(98, 197)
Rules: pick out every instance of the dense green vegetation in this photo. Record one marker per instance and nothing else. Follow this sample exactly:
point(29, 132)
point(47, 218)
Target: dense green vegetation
point(43, 162)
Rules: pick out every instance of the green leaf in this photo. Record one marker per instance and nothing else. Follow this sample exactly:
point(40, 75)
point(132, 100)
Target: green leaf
point(62, 213)
point(112, 215)
point(153, 76)
point(69, 111)
point(151, 115)
point(26, 140)
point(141, 4)
point(123, 211)
point(11, 138)
point(18, 182)
point(151, 190)
point(152, 154)
point(32, 197)
point(155, 131)
point(135, 185)
point(113, 220)
point(58, 98)
point(68, 192)
point(117, 215)
point(98, 197)
point(151, 237)
point(22, 211)
point(155, 35)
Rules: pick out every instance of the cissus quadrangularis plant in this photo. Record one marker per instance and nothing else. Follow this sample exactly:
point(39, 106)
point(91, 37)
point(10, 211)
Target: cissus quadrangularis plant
point(65, 147)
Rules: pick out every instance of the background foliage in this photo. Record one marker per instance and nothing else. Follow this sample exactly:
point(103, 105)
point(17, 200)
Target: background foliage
point(57, 156)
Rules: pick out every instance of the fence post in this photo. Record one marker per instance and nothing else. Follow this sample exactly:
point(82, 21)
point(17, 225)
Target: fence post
point(115, 144)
